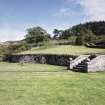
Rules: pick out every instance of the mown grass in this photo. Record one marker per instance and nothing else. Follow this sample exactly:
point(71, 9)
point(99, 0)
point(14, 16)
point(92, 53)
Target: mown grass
point(49, 88)
point(65, 49)
point(18, 67)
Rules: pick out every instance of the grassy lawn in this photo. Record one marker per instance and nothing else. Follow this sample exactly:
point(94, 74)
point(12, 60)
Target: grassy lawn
point(16, 67)
point(18, 87)
point(65, 49)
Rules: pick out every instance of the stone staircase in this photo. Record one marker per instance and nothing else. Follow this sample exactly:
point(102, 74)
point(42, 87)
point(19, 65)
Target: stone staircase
point(80, 64)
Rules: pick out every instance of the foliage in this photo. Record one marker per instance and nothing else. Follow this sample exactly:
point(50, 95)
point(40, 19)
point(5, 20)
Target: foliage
point(87, 32)
point(79, 40)
point(57, 33)
point(36, 35)
point(97, 28)
point(84, 36)
point(65, 34)
point(13, 48)
point(72, 39)
point(91, 32)
point(100, 38)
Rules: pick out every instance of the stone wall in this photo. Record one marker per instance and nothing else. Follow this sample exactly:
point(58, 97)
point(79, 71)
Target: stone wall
point(61, 60)
point(97, 64)
point(2, 58)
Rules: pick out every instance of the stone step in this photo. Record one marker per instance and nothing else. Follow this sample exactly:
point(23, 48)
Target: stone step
point(81, 65)
point(79, 60)
point(78, 67)
point(80, 70)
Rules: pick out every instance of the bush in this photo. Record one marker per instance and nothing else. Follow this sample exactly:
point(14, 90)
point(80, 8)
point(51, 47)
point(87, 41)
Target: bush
point(79, 40)
point(13, 48)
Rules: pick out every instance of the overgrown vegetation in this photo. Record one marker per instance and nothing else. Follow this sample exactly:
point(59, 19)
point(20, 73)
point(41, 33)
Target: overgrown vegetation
point(14, 48)
point(82, 34)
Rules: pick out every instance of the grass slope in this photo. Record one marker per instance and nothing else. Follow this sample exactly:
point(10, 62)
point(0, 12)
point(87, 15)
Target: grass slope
point(49, 88)
point(65, 49)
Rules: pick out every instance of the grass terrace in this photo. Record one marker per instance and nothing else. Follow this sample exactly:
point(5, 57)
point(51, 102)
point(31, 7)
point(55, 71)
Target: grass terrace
point(65, 49)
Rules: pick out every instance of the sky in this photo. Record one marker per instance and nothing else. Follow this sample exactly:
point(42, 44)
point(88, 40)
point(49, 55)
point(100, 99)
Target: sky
point(18, 15)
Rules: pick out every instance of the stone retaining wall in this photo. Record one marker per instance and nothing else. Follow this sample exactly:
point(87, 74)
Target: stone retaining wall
point(61, 60)
point(97, 64)
point(2, 58)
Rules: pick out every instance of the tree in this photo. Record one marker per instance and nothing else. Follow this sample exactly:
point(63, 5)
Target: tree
point(65, 34)
point(56, 33)
point(97, 28)
point(89, 36)
point(79, 40)
point(72, 39)
point(36, 35)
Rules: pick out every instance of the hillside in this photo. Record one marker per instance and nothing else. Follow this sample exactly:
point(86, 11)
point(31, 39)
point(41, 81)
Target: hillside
point(97, 28)
point(65, 49)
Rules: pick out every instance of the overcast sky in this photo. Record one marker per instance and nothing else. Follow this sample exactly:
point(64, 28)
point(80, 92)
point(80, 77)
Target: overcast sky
point(18, 15)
